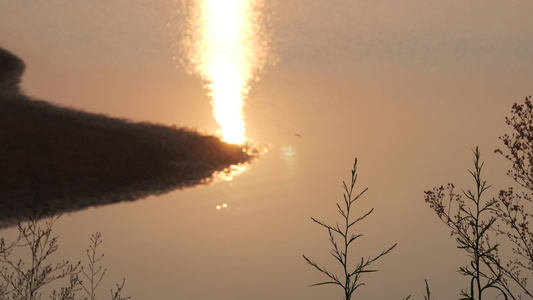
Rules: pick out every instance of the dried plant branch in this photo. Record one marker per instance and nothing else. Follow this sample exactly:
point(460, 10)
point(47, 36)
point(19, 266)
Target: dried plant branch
point(20, 280)
point(24, 282)
point(95, 274)
point(520, 143)
point(470, 226)
point(514, 209)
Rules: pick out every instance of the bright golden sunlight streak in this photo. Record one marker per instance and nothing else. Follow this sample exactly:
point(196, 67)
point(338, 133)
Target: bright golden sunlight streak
point(224, 46)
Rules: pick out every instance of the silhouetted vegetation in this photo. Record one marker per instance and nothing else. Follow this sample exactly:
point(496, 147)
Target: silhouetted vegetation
point(471, 222)
point(76, 159)
point(11, 69)
point(480, 224)
point(504, 218)
point(427, 295)
point(519, 143)
point(341, 237)
point(26, 280)
point(513, 209)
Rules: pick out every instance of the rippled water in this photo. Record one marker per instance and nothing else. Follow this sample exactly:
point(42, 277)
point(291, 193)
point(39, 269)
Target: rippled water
point(226, 44)
point(408, 88)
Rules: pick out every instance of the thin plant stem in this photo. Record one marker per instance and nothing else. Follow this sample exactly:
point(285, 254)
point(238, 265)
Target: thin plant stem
point(349, 281)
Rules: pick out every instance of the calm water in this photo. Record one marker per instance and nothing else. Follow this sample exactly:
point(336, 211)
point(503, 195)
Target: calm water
point(409, 89)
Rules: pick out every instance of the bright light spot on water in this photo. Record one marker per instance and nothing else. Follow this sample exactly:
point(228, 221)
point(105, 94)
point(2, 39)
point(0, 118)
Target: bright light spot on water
point(223, 37)
point(225, 45)
point(288, 152)
point(227, 102)
point(219, 207)
point(230, 172)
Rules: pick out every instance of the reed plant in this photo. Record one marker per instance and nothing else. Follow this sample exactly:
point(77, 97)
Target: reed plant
point(341, 237)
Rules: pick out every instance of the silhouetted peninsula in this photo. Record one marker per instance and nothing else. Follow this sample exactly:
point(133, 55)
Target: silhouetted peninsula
point(67, 159)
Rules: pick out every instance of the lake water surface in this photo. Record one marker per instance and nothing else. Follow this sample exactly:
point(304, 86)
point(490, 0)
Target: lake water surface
point(408, 88)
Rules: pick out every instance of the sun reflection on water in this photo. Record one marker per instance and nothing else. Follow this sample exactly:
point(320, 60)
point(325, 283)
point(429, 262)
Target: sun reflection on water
point(226, 45)
point(230, 172)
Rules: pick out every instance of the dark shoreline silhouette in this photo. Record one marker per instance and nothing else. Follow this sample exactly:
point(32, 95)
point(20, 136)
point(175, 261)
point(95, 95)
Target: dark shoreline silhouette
point(65, 159)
